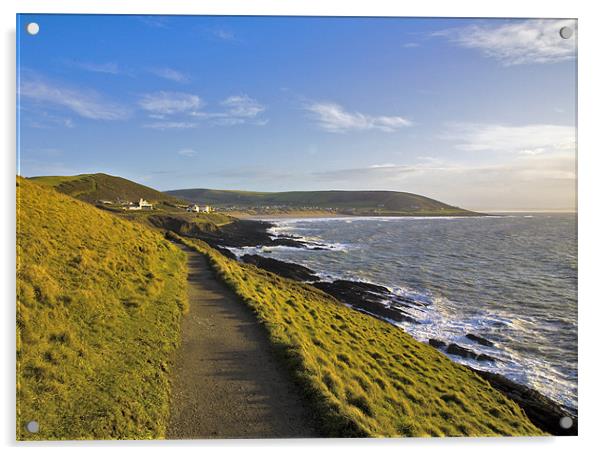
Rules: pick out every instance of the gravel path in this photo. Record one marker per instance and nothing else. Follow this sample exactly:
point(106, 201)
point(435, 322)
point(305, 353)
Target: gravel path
point(226, 382)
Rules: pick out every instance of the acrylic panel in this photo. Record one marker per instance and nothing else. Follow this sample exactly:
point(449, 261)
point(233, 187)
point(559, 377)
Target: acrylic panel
point(295, 227)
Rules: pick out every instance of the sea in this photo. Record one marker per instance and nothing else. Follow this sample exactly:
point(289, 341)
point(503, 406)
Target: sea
point(510, 278)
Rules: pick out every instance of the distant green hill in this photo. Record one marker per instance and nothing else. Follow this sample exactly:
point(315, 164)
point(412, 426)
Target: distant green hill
point(98, 187)
point(360, 202)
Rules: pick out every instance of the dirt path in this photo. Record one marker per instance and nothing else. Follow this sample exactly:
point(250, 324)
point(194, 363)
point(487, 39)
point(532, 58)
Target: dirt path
point(226, 383)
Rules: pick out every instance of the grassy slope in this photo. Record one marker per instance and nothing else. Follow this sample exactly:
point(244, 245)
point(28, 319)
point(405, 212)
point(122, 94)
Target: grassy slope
point(367, 377)
point(387, 201)
point(207, 222)
point(94, 187)
point(99, 301)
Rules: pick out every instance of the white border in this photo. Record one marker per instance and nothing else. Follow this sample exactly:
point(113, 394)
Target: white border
point(590, 193)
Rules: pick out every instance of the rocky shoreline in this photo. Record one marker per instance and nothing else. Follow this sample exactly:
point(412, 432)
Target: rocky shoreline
point(378, 301)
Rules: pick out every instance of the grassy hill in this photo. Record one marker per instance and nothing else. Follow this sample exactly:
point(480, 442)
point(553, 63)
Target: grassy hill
point(364, 376)
point(384, 202)
point(97, 187)
point(99, 301)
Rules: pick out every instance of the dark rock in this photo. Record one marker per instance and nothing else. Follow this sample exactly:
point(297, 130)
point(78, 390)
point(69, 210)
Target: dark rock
point(455, 349)
point(226, 252)
point(361, 287)
point(479, 339)
point(365, 297)
point(485, 358)
point(544, 412)
point(252, 233)
point(237, 234)
point(285, 269)
point(437, 343)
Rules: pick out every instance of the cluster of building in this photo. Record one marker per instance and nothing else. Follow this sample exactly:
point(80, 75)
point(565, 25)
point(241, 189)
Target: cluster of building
point(198, 209)
point(145, 205)
point(142, 205)
point(127, 205)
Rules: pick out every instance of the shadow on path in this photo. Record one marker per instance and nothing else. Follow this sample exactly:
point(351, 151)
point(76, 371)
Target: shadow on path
point(226, 382)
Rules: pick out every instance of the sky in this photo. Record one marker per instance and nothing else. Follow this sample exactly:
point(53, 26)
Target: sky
point(478, 113)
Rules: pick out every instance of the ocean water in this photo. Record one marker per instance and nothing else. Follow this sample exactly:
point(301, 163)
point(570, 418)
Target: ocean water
point(511, 279)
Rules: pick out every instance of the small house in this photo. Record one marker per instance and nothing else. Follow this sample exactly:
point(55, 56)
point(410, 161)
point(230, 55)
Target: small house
point(193, 208)
point(142, 205)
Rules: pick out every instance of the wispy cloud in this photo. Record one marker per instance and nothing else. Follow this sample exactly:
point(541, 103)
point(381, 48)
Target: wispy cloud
point(223, 34)
point(154, 21)
point(105, 68)
point(170, 74)
point(334, 118)
point(537, 181)
point(187, 152)
point(86, 103)
point(165, 103)
point(178, 110)
point(517, 42)
point(524, 139)
point(238, 109)
point(170, 125)
point(39, 118)
point(242, 106)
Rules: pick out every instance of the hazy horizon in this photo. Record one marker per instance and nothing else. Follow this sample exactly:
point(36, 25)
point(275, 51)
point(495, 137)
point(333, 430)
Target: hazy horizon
point(474, 113)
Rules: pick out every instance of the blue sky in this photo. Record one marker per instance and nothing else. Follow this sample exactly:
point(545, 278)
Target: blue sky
point(477, 113)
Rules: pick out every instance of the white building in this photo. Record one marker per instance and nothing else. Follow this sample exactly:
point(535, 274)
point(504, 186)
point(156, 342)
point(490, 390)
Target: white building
point(193, 208)
point(142, 205)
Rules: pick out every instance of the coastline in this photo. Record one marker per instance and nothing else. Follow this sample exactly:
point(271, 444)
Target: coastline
point(367, 298)
point(302, 214)
point(292, 214)
point(362, 376)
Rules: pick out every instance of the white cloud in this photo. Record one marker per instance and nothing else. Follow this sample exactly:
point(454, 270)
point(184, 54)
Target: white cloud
point(170, 74)
point(188, 152)
point(170, 125)
point(85, 103)
point(525, 139)
point(517, 42)
point(164, 103)
point(540, 182)
point(223, 34)
point(183, 110)
point(239, 109)
point(382, 166)
point(334, 118)
point(106, 68)
point(242, 106)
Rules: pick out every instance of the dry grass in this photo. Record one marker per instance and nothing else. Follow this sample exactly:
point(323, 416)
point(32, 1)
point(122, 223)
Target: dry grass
point(99, 302)
point(366, 377)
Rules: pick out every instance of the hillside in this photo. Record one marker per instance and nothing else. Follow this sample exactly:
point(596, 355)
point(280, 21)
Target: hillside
point(98, 187)
point(99, 301)
point(360, 202)
point(364, 376)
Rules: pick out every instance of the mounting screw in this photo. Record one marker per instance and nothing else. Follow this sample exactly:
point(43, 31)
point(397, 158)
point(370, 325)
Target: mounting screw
point(566, 32)
point(33, 426)
point(566, 422)
point(32, 28)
